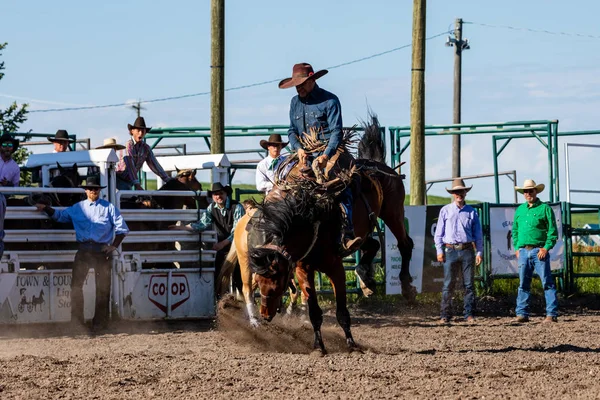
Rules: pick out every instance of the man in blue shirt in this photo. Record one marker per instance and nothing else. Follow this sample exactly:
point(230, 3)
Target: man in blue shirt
point(321, 110)
point(99, 230)
point(459, 244)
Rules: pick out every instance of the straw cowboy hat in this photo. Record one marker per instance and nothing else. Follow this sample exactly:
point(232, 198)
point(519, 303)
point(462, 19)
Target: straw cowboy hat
point(61, 136)
point(8, 138)
point(458, 184)
point(300, 73)
point(92, 182)
point(111, 143)
point(274, 140)
point(530, 184)
point(218, 187)
point(139, 123)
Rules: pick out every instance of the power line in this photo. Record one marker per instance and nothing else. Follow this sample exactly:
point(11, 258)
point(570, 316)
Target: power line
point(229, 89)
point(516, 28)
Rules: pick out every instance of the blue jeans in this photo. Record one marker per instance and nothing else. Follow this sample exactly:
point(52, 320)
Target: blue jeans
point(122, 185)
point(465, 260)
point(528, 263)
point(347, 200)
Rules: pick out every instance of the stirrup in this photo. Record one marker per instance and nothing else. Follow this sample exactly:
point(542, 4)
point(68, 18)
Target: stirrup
point(352, 244)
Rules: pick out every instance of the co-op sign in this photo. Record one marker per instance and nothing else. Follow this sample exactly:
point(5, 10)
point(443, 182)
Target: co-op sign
point(160, 287)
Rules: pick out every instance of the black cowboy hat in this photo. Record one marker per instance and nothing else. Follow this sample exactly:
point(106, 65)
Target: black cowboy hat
point(140, 124)
point(217, 187)
point(61, 136)
point(8, 138)
point(274, 140)
point(92, 182)
point(300, 73)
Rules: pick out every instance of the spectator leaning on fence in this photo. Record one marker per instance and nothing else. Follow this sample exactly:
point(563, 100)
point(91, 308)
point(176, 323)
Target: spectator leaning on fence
point(9, 169)
point(61, 141)
point(534, 233)
point(99, 230)
point(459, 245)
point(136, 153)
point(223, 213)
point(265, 170)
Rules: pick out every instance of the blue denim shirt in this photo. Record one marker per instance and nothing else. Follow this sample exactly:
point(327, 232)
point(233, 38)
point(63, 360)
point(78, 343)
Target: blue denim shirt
point(321, 110)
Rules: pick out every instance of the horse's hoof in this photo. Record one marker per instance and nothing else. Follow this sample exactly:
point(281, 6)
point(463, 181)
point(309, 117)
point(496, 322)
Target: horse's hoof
point(409, 292)
point(254, 322)
point(318, 352)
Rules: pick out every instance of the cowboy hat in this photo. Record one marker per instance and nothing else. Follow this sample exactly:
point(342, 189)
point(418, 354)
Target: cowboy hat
point(61, 136)
point(216, 187)
point(111, 143)
point(300, 73)
point(139, 123)
point(274, 140)
point(92, 182)
point(530, 184)
point(458, 184)
point(6, 137)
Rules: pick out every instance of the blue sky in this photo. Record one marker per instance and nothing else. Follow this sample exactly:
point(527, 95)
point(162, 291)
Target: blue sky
point(73, 53)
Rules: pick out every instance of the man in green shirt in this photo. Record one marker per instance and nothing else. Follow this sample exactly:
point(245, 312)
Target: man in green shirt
point(534, 234)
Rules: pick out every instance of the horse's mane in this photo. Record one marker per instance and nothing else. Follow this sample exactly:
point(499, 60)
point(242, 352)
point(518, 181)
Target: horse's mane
point(275, 218)
point(371, 145)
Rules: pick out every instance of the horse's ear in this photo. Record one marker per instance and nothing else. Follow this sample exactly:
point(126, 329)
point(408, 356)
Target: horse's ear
point(75, 166)
point(177, 170)
point(60, 168)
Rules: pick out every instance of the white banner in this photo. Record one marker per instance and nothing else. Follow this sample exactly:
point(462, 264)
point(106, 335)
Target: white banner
point(504, 260)
point(414, 221)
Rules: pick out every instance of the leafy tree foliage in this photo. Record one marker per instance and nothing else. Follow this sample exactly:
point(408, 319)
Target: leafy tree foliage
point(10, 120)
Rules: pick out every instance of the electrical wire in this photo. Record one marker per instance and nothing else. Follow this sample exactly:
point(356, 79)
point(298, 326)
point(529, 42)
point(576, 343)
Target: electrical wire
point(516, 28)
point(228, 89)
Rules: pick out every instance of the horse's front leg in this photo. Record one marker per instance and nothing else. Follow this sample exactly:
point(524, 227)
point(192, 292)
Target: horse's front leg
point(307, 284)
point(248, 292)
point(337, 275)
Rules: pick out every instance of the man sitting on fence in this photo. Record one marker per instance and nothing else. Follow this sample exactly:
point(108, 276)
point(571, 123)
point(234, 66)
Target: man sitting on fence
point(61, 141)
point(10, 173)
point(534, 233)
point(265, 170)
point(133, 157)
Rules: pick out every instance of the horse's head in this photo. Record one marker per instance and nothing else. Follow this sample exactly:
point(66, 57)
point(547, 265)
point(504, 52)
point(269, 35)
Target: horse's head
point(283, 231)
point(186, 180)
point(68, 178)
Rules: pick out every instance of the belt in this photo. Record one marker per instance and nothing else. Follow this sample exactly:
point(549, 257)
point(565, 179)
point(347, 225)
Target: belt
point(531, 247)
point(91, 246)
point(459, 246)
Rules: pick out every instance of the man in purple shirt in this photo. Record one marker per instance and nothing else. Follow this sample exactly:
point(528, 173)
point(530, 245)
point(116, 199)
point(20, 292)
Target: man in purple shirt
point(9, 169)
point(459, 244)
point(136, 153)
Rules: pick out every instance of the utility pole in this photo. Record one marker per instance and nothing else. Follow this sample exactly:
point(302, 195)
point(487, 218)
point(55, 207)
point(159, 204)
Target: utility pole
point(138, 107)
point(417, 106)
point(459, 45)
point(217, 75)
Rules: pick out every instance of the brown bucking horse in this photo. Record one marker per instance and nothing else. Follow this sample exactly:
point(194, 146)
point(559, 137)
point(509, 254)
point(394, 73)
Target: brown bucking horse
point(297, 229)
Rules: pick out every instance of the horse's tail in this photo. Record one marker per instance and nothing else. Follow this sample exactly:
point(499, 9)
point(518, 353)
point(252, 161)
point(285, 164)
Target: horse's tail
point(371, 145)
point(226, 270)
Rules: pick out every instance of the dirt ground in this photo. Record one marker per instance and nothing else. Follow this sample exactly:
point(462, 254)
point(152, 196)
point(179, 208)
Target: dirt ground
point(405, 354)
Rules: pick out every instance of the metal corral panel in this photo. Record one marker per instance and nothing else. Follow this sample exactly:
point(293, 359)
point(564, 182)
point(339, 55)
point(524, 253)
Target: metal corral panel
point(205, 161)
point(68, 158)
point(169, 236)
point(134, 260)
point(160, 215)
point(160, 294)
point(42, 296)
point(37, 235)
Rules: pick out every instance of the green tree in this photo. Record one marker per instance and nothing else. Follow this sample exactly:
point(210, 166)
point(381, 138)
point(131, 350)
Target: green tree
point(10, 120)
